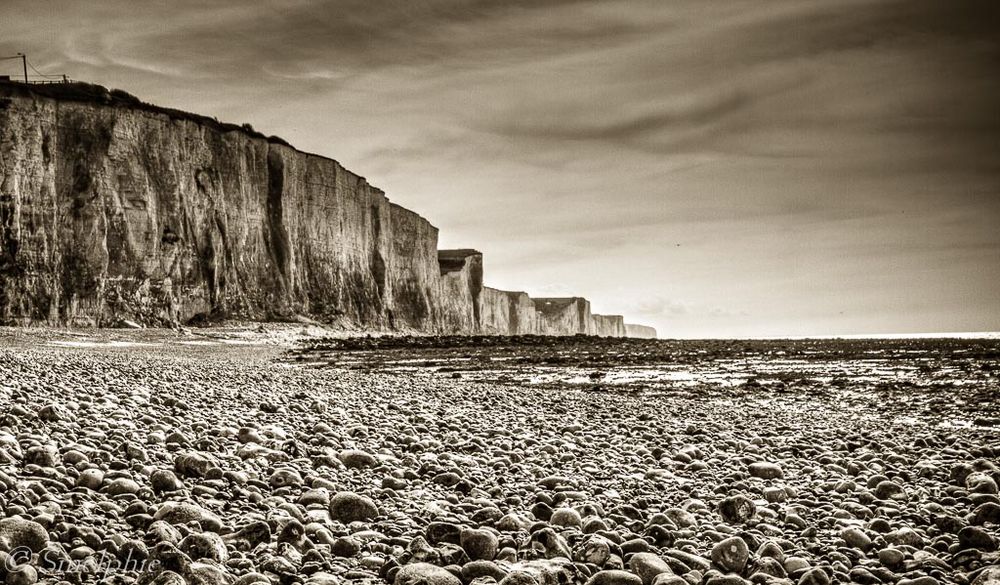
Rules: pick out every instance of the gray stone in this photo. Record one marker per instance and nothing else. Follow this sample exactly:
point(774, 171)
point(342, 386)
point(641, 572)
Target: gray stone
point(614, 577)
point(765, 470)
point(350, 507)
point(20, 533)
point(731, 554)
point(425, 574)
point(648, 566)
point(737, 509)
point(479, 544)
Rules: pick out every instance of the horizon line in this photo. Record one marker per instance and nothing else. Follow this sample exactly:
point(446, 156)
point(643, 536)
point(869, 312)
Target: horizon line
point(930, 335)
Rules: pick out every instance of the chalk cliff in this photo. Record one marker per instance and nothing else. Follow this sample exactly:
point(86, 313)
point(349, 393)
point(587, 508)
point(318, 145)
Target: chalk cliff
point(114, 212)
point(609, 326)
point(639, 331)
point(112, 209)
point(509, 313)
point(565, 316)
point(461, 290)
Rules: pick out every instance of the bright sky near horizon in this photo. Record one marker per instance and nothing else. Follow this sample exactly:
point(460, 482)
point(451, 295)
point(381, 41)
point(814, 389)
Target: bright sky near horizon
point(713, 169)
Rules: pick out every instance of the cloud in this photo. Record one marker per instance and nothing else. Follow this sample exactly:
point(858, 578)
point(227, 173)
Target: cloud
point(639, 129)
point(659, 306)
point(232, 39)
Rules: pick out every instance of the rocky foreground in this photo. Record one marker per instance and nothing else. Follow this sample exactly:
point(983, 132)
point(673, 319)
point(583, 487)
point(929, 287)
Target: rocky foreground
point(220, 464)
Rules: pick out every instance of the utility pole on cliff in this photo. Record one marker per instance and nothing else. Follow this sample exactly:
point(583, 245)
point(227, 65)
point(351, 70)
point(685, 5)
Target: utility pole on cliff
point(24, 64)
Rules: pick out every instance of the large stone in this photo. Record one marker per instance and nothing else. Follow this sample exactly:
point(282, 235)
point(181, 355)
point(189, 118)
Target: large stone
point(988, 576)
point(164, 480)
point(207, 573)
point(183, 513)
point(737, 509)
point(479, 544)
point(425, 574)
point(17, 532)
point(614, 577)
point(731, 554)
point(122, 485)
point(594, 550)
point(477, 569)
point(647, 566)
point(815, 577)
point(889, 490)
point(856, 538)
point(905, 536)
point(974, 537)
point(567, 517)
point(205, 545)
point(357, 459)
point(891, 558)
point(765, 470)
point(350, 507)
point(555, 571)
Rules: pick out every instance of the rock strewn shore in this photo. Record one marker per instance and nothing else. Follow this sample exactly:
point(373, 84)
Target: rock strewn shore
point(223, 465)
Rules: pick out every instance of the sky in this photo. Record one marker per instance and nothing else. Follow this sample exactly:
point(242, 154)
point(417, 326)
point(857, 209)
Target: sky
point(713, 169)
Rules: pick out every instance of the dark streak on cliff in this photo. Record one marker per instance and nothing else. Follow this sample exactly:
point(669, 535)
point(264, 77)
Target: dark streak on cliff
point(277, 234)
point(86, 258)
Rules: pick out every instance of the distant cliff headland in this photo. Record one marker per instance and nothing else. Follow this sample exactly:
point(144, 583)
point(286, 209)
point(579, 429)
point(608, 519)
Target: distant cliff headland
point(112, 209)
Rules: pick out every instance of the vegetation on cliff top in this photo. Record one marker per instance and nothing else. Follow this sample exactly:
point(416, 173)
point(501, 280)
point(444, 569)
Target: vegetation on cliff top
point(79, 91)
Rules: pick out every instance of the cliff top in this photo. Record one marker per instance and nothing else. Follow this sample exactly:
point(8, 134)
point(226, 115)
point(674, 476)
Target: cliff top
point(92, 93)
point(459, 253)
point(558, 300)
point(509, 293)
point(551, 305)
point(454, 260)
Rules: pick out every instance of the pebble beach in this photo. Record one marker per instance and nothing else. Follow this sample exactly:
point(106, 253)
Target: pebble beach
point(179, 460)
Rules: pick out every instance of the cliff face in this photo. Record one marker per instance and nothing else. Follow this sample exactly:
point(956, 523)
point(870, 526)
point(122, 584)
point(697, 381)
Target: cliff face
point(461, 290)
point(496, 307)
point(113, 213)
point(565, 316)
point(414, 289)
point(640, 331)
point(609, 326)
point(509, 313)
point(115, 210)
